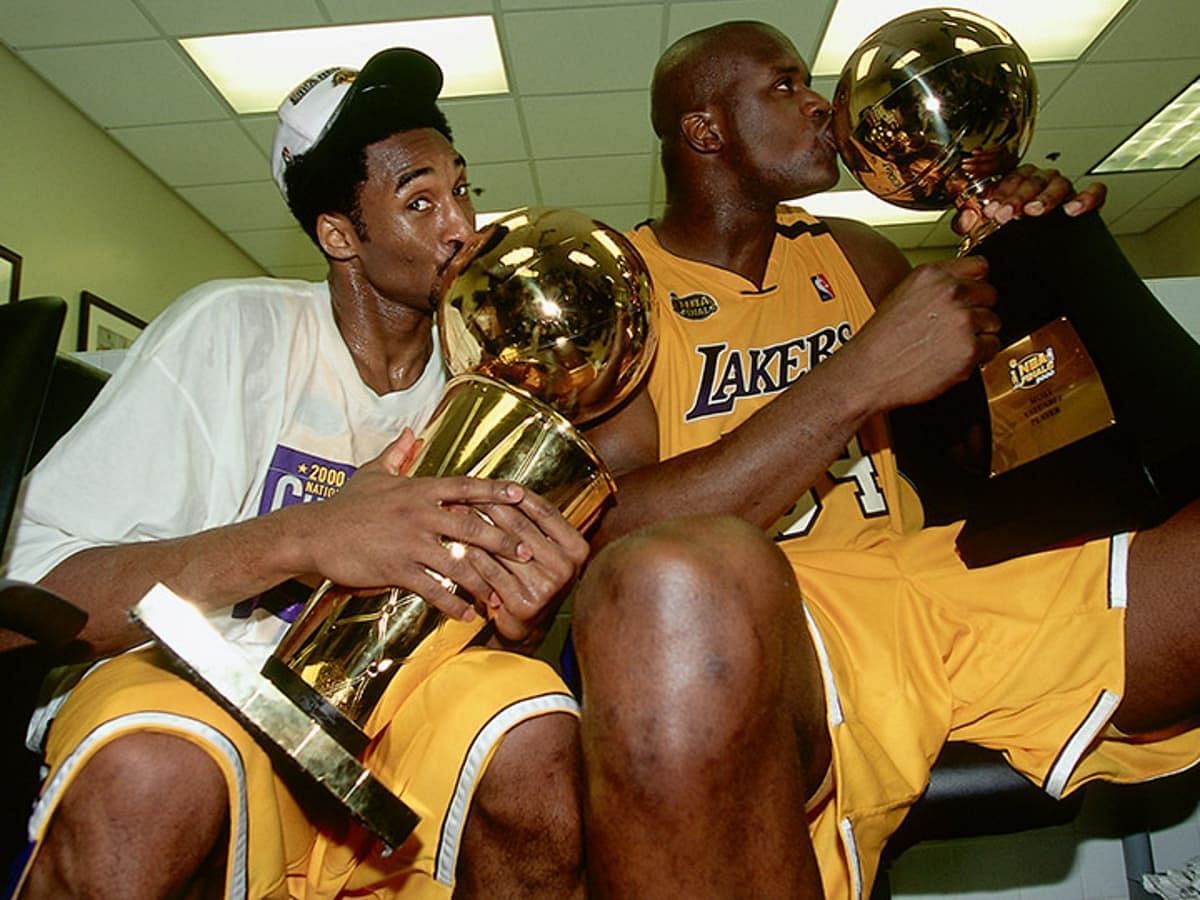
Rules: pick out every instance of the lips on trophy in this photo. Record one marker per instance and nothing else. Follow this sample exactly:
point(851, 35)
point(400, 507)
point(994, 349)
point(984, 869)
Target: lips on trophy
point(545, 328)
point(931, 110)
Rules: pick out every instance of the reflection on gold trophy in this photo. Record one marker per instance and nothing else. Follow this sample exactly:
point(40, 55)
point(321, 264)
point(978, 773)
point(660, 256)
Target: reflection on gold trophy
point(932, 110)
point(547, 325)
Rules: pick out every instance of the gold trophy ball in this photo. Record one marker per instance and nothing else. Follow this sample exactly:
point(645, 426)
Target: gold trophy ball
point(933, 107)
point(556, 304)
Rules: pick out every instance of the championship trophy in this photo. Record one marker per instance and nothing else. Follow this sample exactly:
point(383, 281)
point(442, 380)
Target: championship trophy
point(1088, 412)
point(546, 326)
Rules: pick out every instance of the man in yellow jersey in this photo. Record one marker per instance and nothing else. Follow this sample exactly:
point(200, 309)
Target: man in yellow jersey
point(759, 714)
point(200, 465)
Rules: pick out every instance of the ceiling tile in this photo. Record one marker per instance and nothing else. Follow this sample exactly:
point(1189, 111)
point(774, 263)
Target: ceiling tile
point(594, 180)
point(195, 153)
point(579, 50)
point(586, 124)
point(261, 129)
point(1050, 77)
point(504, 186)
point(802, 22)
point(486, 130)
point(1125, 191)
point(279, 247)
point(1139, 220)
point(1179, 191)
point(1079, 148)
point(509, 5)
point(240, 207)
point(1117, 93)
point(143, 83)
point(30, 23)
point(232, 16)
point(394, 10)
point(1150, 29)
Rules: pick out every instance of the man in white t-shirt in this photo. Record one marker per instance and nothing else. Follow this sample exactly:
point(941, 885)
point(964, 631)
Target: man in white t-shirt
point(200, 465)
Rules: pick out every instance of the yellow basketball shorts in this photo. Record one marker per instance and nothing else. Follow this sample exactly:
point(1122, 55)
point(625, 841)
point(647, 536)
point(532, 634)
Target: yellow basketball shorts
point(434, 752)
point(1026, 657)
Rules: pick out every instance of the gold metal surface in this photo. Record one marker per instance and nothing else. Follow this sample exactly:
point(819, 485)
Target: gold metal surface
point(546, 323)
point(556, 304)
point(221, 670)
point(348, 645)
point(934, 107)
point(1043, 393)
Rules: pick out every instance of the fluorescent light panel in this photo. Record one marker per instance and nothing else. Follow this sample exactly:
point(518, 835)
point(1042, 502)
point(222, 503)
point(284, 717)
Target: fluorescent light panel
point(1169, 140)
point(1047, 31)
point(865, 207)
point(254, 71)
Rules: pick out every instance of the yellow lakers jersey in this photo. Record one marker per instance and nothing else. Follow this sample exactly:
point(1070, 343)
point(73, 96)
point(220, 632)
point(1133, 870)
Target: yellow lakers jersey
point(727, 347)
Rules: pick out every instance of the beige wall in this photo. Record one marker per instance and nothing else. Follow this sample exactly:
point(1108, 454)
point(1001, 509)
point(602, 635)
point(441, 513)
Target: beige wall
point(85, 215)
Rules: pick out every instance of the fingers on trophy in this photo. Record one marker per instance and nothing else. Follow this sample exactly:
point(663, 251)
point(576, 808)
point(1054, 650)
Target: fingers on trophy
point(546, 325)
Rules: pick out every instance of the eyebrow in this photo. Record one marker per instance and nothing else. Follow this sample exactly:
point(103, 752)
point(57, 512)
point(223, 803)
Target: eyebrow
point(413, 174)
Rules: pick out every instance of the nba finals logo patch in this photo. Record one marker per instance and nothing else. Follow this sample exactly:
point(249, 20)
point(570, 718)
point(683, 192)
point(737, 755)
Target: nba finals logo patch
point(695, 306)
point(824, 288)
point(295, 477)
point(1032, 369)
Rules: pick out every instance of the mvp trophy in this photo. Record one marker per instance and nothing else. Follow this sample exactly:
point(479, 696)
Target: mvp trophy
point(1091, 407)
point(547, 325)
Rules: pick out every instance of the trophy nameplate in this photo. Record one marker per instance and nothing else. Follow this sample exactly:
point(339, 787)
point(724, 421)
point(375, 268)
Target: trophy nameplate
point(1043, 393)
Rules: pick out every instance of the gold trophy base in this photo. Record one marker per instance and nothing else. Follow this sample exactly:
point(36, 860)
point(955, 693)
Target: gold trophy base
point(272, 718)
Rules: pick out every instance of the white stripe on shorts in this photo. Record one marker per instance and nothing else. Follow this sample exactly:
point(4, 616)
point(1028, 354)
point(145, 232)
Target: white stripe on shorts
point(1118, 571)
point(168, 722)
point(1077, 745)
point(472, 768)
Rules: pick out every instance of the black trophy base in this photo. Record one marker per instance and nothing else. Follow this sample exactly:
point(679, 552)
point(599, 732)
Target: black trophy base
point(1131, 475)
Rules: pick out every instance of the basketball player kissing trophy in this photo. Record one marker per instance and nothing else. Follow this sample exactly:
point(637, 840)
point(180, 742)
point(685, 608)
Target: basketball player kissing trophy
point(1087, 405)
point(547, 325)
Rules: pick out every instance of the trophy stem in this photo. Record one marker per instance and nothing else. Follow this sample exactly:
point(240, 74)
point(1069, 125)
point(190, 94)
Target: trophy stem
point(348, 647)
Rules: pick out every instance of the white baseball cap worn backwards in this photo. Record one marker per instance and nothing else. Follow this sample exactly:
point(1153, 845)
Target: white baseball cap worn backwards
point(334, 99)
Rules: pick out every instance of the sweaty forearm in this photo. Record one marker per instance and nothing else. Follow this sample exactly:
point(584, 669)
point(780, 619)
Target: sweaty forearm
point(212, 569)
point(759, 469)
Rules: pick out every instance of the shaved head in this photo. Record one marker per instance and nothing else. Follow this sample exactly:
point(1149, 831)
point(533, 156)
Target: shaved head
point(696, 70)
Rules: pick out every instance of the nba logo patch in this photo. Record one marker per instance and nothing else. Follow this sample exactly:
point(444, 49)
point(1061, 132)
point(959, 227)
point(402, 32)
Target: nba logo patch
point(824, 288)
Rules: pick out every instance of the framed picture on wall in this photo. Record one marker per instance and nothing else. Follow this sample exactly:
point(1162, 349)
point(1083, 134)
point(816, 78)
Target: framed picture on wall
point(10, 275)
point(104, 325)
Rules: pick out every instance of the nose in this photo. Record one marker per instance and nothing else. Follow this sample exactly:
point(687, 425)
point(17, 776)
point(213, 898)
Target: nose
point(460, 224)
point(815, 105)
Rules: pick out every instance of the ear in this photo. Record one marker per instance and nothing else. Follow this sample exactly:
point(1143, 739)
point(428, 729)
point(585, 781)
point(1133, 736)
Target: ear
point(702, 131)
point(336, 234)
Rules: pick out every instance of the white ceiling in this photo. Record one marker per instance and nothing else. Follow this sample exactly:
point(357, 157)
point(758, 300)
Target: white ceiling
point(574, 131)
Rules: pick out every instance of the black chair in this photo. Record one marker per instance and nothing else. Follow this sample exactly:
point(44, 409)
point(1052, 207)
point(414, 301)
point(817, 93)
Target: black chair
point(41, 394)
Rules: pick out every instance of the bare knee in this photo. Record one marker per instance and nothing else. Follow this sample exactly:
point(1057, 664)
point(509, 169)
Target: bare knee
point(693, 646)
point(147, 811)
point(524, 834)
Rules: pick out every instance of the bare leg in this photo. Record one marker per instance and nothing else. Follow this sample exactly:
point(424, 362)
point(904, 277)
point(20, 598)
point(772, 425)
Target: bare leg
point(703, 716)
point(146, 817)
point(523, 836)
point(1163, 626)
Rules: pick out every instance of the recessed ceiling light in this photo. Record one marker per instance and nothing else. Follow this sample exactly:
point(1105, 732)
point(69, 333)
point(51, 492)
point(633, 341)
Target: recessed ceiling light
point(1046, 31)
point(254, 71)
point(865, 207)
point(1169, 140)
